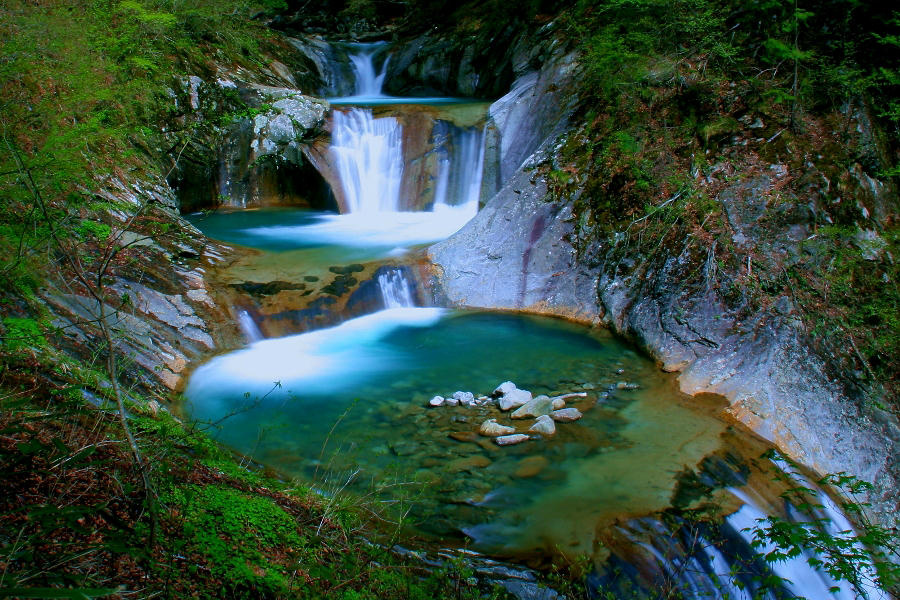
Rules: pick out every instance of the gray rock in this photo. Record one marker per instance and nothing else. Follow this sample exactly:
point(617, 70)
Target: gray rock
point(542, 405)
point(510, 440)
point(544, 426)
point(566, 415)
point(558, 403)
point(526, 590)
point(491, 428)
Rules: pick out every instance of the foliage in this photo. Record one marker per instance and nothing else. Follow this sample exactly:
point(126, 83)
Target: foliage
point(865, 559)
point(22, 333)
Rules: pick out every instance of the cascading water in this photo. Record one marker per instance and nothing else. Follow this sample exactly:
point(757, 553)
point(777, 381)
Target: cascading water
point(368, 81)
point(396, 290)
point(461, 168)
point(248, 327)
point(368, 156)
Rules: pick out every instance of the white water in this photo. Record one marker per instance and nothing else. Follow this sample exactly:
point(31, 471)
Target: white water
point(316, 361)
point(368, 81)
point(396, 290)
point(800, 578)
point(248, 327)
point(368, 155)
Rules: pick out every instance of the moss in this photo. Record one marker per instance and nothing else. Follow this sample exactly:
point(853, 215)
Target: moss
point(22, 333)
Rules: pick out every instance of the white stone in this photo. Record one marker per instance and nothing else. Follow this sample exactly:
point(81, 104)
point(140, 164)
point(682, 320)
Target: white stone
point(544, 426)
point(509, 440)
point(566, 415)
point(491, 428)
point(436, 401)
point(514, 399)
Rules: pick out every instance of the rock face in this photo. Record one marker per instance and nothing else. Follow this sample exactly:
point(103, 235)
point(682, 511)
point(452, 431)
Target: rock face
point(517, 254)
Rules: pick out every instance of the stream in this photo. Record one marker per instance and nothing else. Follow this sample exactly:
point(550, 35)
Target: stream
point(346, 406)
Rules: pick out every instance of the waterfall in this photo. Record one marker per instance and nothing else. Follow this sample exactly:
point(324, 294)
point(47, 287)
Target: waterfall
point(396, 290)
point(369, 159)
point(460, 168)
point(248, 327)
point(368, 81)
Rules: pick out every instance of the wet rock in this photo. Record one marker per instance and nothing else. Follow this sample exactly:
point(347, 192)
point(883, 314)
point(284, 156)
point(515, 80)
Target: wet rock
point(451, 401)
point(465, 398)
point(526, 590)
point(542, 405)
point(404, 448)
point(530, 466)
point(566, 415)
point(492, 428)
point(464, 436)
point(469, 463)
point(510, 440)
point(558, 403)
point(514, 398)
point(436, 401)
point(544, 426)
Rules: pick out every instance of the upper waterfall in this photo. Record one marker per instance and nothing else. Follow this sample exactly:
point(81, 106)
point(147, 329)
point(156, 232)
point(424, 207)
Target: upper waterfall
point(368, 81)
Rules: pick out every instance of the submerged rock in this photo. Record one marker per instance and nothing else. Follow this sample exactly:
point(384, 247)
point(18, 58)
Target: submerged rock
point(510, 440)
point(492, 428)
point(530, 466)
point(544, 426)
point(469, 463)
point(464, 436)
point(542, 405)
point(566, 415)
point(624, 385)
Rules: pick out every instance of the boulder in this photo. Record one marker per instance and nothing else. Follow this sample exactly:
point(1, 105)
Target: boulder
point(514, 398)
point(544, 426)
point(566, 415)
point(510, 440)
point(542, 405)
point(503, 389)
point(492, 428)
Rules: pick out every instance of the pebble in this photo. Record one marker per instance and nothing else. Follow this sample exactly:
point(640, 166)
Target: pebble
point(566, 415)
point(624, 385)
point(509, 440)
point(544, 426)
point(492, 428)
